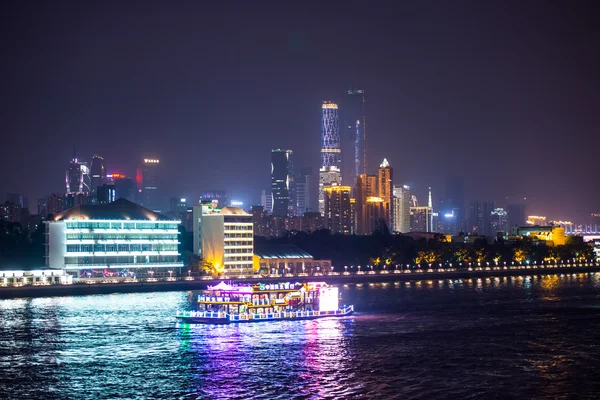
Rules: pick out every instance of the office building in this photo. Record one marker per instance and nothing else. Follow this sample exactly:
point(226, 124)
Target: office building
point(385, 189)
point(266, 200)
point(124, 187)
point(498, 221)
point(355, 154)
point(454, 204)
point(98, 173)
point(282, 183)
point(16, 198)
point(338, 210)
point(77, 199)
point(117, 239)
point(420, 219)
point(178, 204)
point(479, 218)
point(368, 204)
point(303, 192)
point(401, 209)
point(225, 240)
point(147, 180)
point(107, 193)
point(516, 215)
point(74, 177)
point(331, 160)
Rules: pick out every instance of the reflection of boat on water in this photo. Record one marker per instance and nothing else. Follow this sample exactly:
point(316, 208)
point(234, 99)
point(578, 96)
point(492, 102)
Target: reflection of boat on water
point(226, 303)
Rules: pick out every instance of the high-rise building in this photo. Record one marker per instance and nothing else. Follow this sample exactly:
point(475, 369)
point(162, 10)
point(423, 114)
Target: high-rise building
point(303, 192)
point(74, 177)
point(455, 203)
point(43, 206)
point(367, 204)
point(401, 209)
point(354, 111)
point(125, 188)
point(225, 239)
point(385, 191)
point(282, 183)
point(420, 219)
point(480, 217)
point(331, 160)
point(266, 200)
point(98, 172)
point(178, 205)
point(147, 182)
point(105, 194)
point(10, 212)
point(338, 210)
point(56, 203)
point(516, 215)
point(86, 178)
point(499, 221)
point(16, 198)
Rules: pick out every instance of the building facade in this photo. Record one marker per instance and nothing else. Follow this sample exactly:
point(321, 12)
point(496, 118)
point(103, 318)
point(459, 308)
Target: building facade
point(331, 157)
point(225, 240)
point(355, 127)
point(147, 183)
point(401, 209)
point(98, 173)
point(420, 219)
point(385, 190)
point(338, 210)
point(282, 183)
point(114, 239)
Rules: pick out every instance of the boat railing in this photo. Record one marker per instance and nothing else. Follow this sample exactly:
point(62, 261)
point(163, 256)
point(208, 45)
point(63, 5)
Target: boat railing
point(263, 316)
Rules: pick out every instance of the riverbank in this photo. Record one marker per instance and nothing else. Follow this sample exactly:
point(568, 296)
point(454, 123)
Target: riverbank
point(81, 289)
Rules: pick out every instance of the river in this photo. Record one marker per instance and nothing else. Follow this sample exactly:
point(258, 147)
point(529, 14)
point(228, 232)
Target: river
point(511, 337)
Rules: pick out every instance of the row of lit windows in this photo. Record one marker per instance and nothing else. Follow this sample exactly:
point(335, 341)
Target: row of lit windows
point(102, 260)
point(238, 266)
point(238, 227)
point(237, 235)
point(230, 243)
point(88, 248)
point(238, 251)
point(126, 236)
point(120, 225)
point(238, 258)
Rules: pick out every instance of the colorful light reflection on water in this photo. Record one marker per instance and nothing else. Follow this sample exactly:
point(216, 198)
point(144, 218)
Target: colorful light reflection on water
point(521, 337)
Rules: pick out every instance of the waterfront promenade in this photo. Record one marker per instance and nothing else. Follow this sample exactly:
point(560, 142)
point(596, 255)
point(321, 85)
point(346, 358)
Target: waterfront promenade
point(105, 286)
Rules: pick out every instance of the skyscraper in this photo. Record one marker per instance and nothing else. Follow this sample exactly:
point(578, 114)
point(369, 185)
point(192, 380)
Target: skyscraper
point(385, 191)
point(420, 219)
point(367, 204)
point(480, 217)
point(303, 191)
point(329, 172)
point(266, 200)
point(282, 183)
point(147, 182)
point(401, 209)
point(98, 173)
point(516, 215)
point(354, 112)
point(455, 203)
point(338, 211)
point(74, 177)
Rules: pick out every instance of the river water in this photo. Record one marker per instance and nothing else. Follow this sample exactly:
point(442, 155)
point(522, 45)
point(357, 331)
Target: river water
point(521, 337)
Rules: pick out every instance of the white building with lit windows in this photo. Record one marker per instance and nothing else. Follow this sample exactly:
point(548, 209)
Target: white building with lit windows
point(225, 239)
point(116, 239)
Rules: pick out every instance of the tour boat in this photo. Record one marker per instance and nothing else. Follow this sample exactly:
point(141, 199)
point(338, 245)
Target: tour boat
point(225, 303)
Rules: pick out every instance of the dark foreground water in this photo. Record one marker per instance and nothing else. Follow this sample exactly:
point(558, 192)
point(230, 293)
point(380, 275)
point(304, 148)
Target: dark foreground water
point(521, 338)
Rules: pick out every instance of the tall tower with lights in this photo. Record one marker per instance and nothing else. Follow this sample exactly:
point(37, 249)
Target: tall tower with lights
point(331, 160)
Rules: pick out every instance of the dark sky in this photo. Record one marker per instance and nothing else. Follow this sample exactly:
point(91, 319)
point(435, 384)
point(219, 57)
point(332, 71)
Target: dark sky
point(506, 94)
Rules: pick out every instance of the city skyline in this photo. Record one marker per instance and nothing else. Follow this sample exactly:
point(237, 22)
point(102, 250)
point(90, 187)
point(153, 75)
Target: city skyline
point(468, 118)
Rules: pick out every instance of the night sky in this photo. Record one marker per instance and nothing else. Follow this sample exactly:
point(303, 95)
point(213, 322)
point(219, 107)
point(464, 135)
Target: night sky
point(506, 94)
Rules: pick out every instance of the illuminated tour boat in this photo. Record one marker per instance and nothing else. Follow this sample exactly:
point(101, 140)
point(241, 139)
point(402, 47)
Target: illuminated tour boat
point(226, 303)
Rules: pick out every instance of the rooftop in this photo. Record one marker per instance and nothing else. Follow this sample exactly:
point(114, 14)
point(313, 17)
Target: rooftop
point(279, 251)
point(232, 211)
point(119, 209)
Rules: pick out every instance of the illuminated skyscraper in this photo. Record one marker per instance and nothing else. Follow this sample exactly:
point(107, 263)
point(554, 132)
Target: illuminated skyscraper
point(355, 128)
point(147, 182)
point(401, 209)
point(282, 183)
point(74, 177)
point(368, 205)
point(329, 173)
point(386, 192)
point(420, 219)
point(98, 173)
point(338, 210)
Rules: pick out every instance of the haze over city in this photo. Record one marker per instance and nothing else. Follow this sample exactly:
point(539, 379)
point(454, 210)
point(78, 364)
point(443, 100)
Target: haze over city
point(502, 94)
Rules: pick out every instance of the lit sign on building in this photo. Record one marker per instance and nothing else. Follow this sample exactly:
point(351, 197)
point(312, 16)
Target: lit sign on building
point(236, 203)
point(151, 161)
